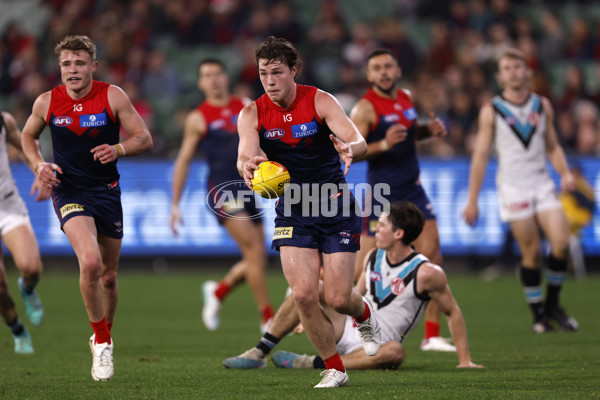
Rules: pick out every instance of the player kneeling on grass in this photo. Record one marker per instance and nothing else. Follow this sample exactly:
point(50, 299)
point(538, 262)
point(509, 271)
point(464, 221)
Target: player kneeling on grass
point(399, 281)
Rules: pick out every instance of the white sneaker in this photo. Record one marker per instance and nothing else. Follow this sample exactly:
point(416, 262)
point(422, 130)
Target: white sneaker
point(332, 378)
point(370, 332)
point(437, 343)
point(102, 364)
point(212, 305)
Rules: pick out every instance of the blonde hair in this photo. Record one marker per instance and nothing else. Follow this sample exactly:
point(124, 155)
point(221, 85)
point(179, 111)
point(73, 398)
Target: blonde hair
point(511, 53)
point(76, 43)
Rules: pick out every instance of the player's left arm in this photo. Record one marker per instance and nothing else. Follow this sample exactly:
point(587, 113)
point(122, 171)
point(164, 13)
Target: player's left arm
point(554, 150)
point(346, 137)
point(13, 137)
point(140, 139)
point(431, 279)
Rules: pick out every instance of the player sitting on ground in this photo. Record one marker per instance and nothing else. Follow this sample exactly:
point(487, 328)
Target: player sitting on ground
point(399, 281)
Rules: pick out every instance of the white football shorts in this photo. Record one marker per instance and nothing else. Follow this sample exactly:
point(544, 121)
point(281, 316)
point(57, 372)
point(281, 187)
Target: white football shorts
point(521, 203)
point(13, 213)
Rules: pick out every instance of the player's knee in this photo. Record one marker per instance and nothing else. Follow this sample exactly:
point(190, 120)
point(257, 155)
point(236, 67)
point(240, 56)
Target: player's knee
point(30, 266)
point(255, 251)
point(90, 265)
point(431, 250)
point(109, 280)
point(391, 355)
point(305, 297)
point(338, 300)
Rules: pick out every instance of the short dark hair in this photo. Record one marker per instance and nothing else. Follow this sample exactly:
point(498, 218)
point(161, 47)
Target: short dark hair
point(406, 216)
point(76, 43)
point(211, 60)
point(380, 51)
point(278, 49)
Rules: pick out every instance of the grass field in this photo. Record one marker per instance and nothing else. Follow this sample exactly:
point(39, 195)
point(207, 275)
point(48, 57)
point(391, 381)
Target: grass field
point(162, 350)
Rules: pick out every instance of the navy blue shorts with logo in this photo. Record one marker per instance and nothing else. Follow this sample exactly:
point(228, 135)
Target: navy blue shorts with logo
point(337, 234)
point(232, 199)
point(415, 194)
point(104, 206)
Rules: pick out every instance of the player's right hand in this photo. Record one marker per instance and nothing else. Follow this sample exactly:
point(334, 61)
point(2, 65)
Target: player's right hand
point(395, 134)
point(249, 167)
point(471, 213)
point(46, 175)
point(299, 329)
point(176, 219)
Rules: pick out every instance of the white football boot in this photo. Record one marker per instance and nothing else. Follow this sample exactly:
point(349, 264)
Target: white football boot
point(212, 305)
point(369, 332)
point(102, 359)
point(437, 343)
point(332, 378)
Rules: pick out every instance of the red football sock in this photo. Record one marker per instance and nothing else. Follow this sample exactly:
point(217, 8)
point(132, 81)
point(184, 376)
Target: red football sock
point(335, 362)
point(109, 326)
point(365, 315)
point(267, 313)
point(432, 329)
point(222, 290)
point(101, 331)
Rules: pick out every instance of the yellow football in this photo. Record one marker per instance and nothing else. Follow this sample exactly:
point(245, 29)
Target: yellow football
point(270, 179)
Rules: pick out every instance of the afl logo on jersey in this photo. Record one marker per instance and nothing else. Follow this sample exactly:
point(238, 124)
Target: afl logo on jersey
point(274, 134)
point(391, 118)
point(375, 276)
point(217, 124)
point(62, 121)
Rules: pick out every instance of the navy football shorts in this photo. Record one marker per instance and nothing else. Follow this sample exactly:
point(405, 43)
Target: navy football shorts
point(337, 234)
point(415, 194)
point(104, 206)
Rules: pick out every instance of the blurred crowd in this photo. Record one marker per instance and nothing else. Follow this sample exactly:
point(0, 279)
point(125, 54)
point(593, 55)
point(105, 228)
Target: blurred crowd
point(447, 52)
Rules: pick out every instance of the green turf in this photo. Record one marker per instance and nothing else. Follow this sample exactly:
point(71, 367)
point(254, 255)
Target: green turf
point(162, 350)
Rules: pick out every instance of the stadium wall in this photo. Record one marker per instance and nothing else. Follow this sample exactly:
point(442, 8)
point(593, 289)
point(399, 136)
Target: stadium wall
point(146, 196)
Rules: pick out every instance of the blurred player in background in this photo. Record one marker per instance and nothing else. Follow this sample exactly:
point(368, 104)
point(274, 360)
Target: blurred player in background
point(521, 125)
point(213, 125)
point(306, 130)
point(579, 205)
point(84, 117)
point(17, 234)
point(387, 119)
point(400, 282)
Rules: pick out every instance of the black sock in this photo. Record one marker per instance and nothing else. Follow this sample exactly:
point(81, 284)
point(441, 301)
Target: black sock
point(27, 289)
point(267, 342)
point(555, 276)
point(16, 327)
point(318, 363)
point(532, 286)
